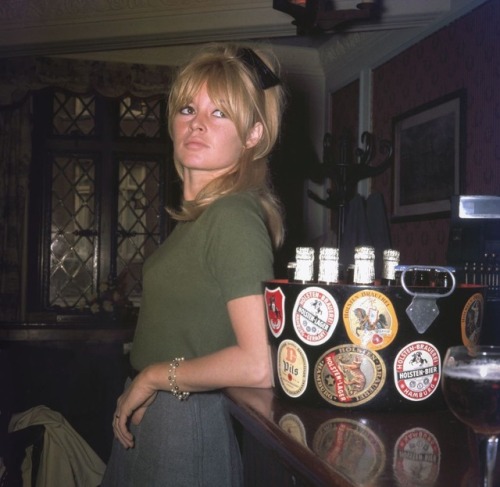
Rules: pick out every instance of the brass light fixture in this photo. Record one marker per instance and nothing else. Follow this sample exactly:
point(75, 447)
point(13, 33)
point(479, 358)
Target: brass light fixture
point(318, 16)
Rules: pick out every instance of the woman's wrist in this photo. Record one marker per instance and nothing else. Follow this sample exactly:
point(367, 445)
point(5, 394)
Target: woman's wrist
point(156, 376)
point(172, 379)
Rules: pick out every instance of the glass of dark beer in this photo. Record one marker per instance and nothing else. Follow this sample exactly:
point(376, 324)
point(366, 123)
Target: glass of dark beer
point(471, 388)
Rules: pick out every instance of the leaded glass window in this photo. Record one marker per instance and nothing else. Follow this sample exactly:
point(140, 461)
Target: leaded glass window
point(73, 114)
point(101, 184)
point(139, 210)
point(74, 231)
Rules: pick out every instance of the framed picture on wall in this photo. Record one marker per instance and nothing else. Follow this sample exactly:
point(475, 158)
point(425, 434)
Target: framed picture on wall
point(428, 157)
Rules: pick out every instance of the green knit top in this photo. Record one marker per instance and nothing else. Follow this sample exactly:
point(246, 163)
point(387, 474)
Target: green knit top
point(225, 254)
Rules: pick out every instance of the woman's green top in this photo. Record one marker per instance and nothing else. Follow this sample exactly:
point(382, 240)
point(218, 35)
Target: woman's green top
point(223, 255)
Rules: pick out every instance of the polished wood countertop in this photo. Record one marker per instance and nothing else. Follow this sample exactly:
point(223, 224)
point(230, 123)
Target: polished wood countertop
point(337, 448)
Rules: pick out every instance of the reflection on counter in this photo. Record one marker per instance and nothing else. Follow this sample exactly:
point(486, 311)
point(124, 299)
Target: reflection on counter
point(417, 457)
point(321, 446)
point(351, 448)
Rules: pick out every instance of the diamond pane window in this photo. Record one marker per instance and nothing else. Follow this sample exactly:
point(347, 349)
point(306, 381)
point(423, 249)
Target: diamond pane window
point(73, 231)
point(139, 216)
point(73, 114)
point(100, 182)
point(140, 118)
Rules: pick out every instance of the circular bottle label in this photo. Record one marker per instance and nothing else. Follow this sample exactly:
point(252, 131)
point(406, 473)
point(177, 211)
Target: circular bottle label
point(292, 367)
point(370, 319)
point(348, 375)
point(417, 370)
point(315, 315)
point(472, 319)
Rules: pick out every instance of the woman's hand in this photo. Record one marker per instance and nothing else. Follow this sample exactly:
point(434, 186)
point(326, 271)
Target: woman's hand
point(132, 405)
point(247, 364)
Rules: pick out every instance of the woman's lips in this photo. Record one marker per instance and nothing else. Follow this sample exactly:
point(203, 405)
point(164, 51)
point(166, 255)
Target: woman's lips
point(195, 144)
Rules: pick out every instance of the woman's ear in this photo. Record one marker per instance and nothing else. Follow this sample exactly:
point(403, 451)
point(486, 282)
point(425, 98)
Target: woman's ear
point(254, 136)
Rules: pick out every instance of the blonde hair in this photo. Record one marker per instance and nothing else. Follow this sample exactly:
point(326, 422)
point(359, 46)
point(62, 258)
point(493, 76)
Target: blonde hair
point(234, 86)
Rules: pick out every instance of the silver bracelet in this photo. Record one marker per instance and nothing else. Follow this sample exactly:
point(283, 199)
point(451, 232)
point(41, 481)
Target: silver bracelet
point(174, 388)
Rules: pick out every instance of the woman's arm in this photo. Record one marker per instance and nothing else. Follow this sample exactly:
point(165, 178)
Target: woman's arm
point(246, 364)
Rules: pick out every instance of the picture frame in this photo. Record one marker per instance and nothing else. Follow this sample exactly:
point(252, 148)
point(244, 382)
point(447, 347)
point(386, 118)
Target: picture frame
point(429, 146)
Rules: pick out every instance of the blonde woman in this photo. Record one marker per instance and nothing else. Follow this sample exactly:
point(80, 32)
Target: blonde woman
point(202, 323)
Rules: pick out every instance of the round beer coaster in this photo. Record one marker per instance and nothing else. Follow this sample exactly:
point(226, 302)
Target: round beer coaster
point(417, 370)
point(348, 375)
point(370, 319)
point(315, 315)
point(275, 310)
point(471, 320)
point(293, 368)
point(416, 458)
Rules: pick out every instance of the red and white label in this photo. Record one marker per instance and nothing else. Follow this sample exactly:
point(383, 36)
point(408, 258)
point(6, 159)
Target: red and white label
point(417, 370)
point(275, 310)
point(315, 315)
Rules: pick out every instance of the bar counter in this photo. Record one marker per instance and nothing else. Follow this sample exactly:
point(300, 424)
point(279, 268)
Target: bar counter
point(286, 443)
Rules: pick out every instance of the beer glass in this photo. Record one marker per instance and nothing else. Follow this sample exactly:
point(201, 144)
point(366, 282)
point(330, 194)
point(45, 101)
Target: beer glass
point(471, 388)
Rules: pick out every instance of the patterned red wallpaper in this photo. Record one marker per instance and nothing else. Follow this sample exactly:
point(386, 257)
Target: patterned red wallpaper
point(463, 55)
point(345, 109)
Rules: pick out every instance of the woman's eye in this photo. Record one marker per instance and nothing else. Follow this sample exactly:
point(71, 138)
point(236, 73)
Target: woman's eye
point(189, 110)
point(219, 113)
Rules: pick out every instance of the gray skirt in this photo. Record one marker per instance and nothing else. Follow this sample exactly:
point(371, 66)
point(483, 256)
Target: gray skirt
point(189, 443)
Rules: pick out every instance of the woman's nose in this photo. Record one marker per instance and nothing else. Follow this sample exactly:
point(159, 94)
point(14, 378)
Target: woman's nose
point(197, 122)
